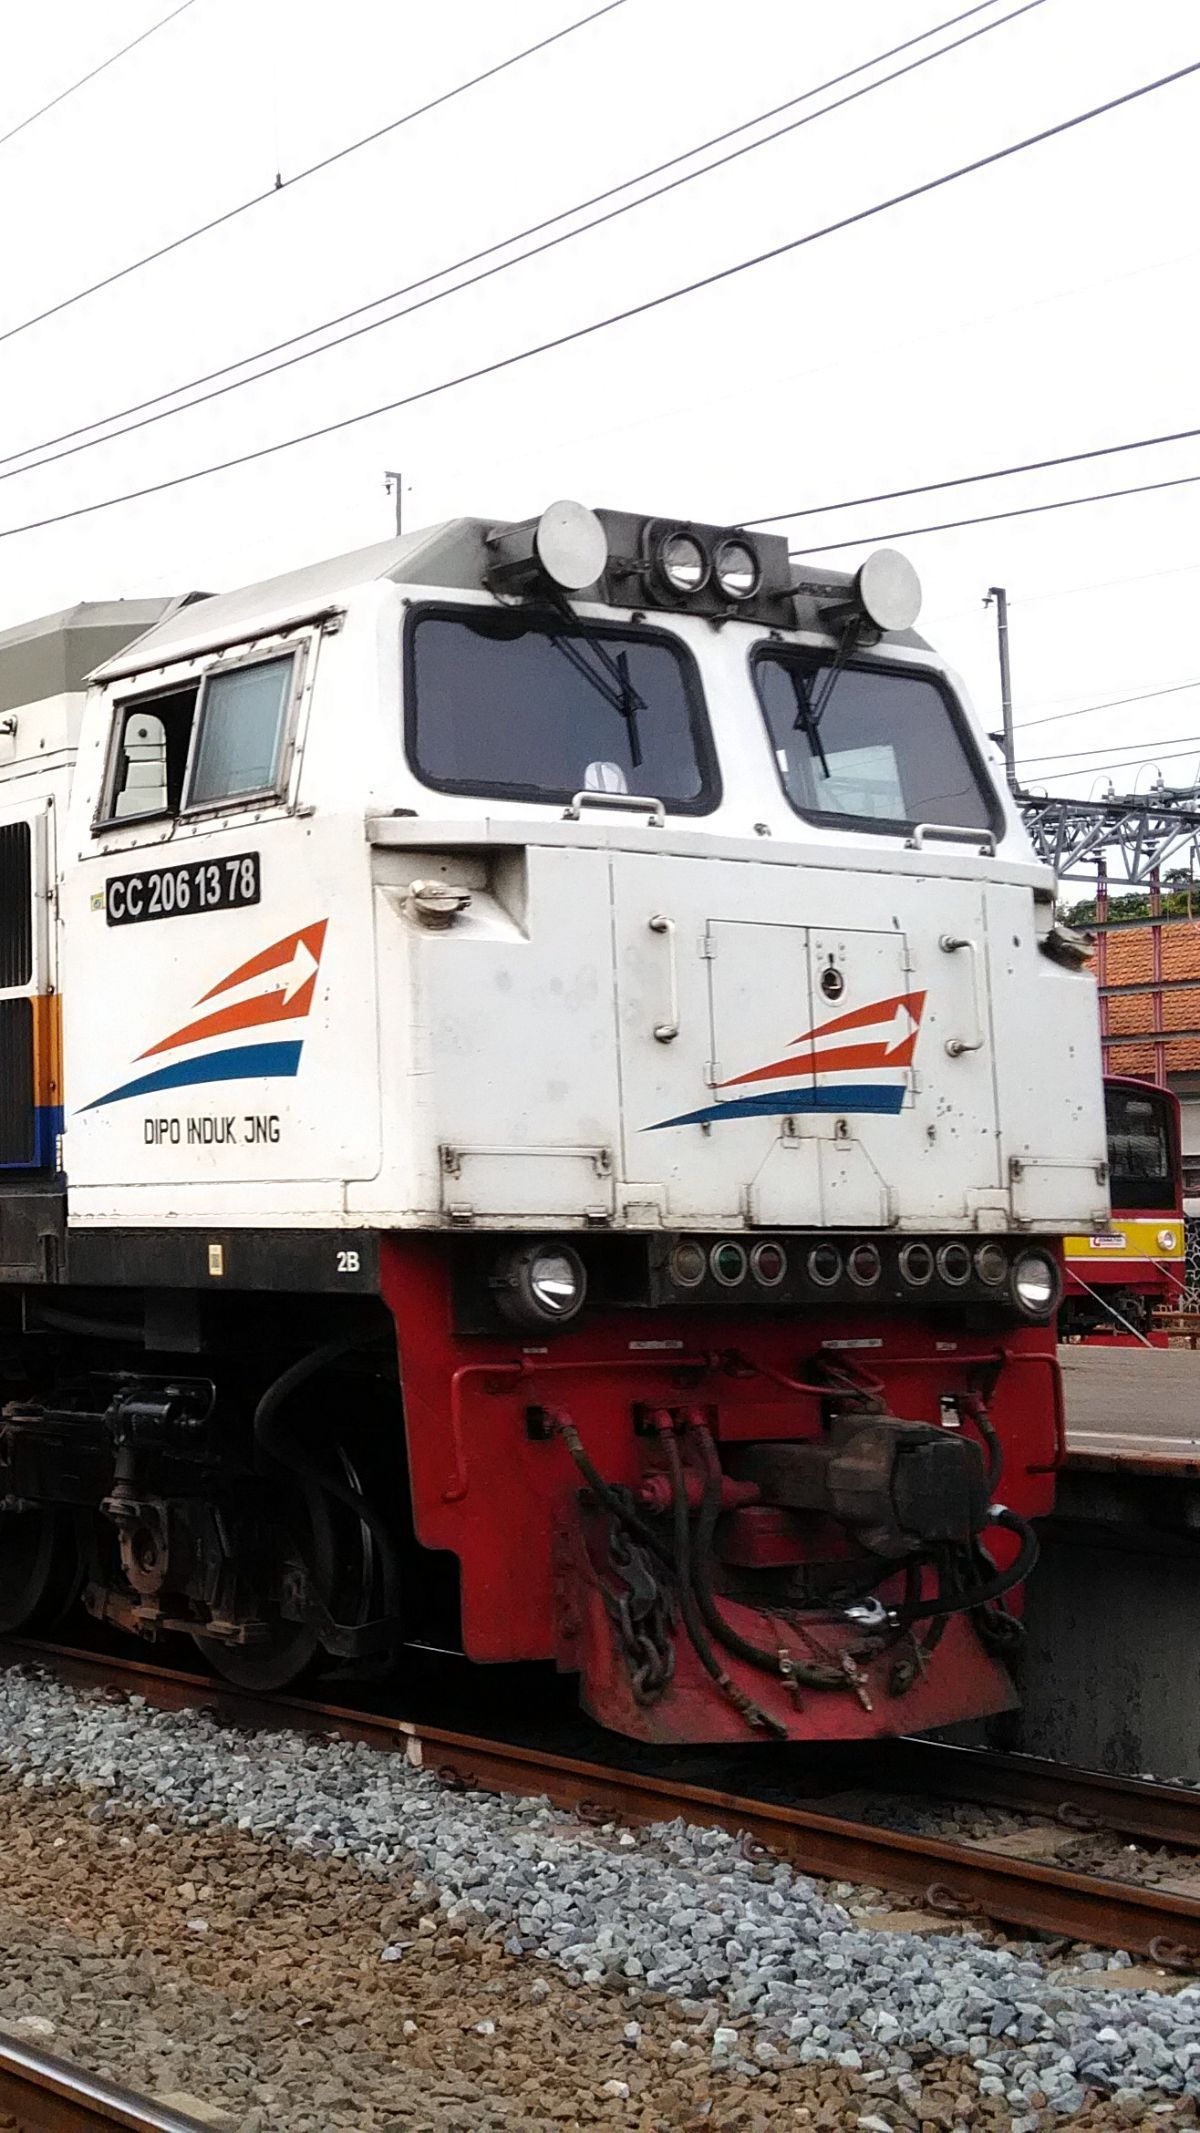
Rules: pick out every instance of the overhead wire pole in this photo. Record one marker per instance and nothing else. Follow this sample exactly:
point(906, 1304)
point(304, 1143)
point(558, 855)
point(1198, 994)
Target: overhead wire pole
point(1008, 740)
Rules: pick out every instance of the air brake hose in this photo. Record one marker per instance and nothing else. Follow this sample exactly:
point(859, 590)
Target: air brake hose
point(994, 1587)
point(810, 1676)
point(688, 1607)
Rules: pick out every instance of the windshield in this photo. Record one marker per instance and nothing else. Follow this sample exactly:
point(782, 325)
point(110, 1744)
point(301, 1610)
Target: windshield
point(1141, 1145)
point(533, 707)
point(875, 746)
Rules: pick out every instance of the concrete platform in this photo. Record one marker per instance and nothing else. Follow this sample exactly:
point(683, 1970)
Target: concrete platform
point(1136, 1406)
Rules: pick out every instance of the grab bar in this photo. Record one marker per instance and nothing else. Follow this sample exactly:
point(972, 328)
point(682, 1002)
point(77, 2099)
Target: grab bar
point(666, 1031)
point(954, 833)
point(956, 1046)
point(637, 801)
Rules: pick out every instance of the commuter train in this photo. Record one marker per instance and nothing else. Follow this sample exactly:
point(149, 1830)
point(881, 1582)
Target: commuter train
point(542, 1091)
point(1120, 1276)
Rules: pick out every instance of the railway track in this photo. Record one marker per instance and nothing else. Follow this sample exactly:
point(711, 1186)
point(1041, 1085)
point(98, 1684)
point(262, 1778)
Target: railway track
point(47, 2095)
point(960, 1880)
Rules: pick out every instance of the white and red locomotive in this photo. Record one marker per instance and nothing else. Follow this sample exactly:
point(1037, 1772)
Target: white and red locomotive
point(542, 1088)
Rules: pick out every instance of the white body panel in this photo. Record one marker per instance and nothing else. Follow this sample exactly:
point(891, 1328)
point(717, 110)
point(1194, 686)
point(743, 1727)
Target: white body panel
point(513, 1068)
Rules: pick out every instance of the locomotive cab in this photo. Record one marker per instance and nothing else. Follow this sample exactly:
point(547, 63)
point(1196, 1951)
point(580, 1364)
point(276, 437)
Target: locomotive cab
point(553, 1138)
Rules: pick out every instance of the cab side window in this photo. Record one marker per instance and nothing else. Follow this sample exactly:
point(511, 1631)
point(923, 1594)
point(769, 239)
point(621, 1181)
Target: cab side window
point(208, 744)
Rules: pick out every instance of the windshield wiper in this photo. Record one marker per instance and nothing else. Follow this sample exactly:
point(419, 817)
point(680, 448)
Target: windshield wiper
point(611, 681)
point(809, 714)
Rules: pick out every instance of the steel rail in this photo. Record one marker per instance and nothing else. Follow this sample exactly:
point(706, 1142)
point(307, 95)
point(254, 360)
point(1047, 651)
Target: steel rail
point(960, 1880)
point(1079, 1800)
point(48, 2095)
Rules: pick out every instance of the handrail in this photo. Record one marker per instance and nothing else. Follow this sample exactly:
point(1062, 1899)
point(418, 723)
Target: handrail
point(953, 833)
point(956, 1046)
point(635, 800)
point(666, 1031)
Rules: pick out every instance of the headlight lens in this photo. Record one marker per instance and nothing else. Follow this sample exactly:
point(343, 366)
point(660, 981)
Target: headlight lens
point(1168, 1240)
point(1036, 1284)
point(682, 562)
point(541, 1285)
point(991, 1264)
point(737, 570)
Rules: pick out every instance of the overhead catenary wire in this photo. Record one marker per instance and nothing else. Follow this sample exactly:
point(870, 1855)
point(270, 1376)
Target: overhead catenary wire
point(161, 413)
point(31, 117)
point(1103, 770)
point(1076, 755)
point(715, 279)
point(1111, 703)
point(280, 184)
point(962, 481)
point(991, 518)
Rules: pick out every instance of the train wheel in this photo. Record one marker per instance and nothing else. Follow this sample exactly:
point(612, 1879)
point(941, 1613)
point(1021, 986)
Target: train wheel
point(335, 1551)
point(41, 1570)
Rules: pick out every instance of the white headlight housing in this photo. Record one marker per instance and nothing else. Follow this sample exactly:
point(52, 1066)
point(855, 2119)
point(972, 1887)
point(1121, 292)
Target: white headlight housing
point(1036, 1284)
point(540, 1285)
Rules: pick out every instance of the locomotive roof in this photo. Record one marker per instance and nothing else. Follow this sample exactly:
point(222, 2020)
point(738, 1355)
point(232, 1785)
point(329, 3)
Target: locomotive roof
point(54, 655)
point(453, 554)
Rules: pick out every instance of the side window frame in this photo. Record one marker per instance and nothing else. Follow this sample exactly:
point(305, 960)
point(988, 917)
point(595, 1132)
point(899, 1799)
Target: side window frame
point(277, 787)
point(781, 655)
point(297, 651)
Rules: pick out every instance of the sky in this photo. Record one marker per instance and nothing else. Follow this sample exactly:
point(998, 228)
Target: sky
point(1043, 306)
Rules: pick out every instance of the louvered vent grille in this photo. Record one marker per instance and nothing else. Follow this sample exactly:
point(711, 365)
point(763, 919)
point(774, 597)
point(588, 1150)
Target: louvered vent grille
point(16, 905)
point(17, 1144)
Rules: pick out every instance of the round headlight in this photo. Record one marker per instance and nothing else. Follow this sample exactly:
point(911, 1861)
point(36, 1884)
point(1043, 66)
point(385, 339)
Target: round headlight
point(1168, 1240)
point(571, 545)
point(888, 590)
point(737, 570)
point(864, 1265)
point(689, 1264)
point(954, 1264)
point(991, 1264)
point(916, 1264)
point(540, 1285)
point(1036, 1284)
point(825, 1265)
point(728, 1262)
point(768, 1264)
point(682, 562)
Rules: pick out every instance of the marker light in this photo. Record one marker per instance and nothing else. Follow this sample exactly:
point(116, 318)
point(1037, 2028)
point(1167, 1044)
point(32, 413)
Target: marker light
point(864, 1265)
point(888, 590)
point(689, 1264)
point(571, 545)
point(1036, 1284)
point(768, 1264)
point(916, 1264)
point(728, 1262)
point(540, 1285)
point(737, 570)
point(991, 1264)
point(682, 562)
point(825, 1265)
point(954, 1264)
point(1168, 1240)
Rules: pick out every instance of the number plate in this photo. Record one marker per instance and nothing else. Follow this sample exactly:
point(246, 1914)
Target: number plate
point(176, 892)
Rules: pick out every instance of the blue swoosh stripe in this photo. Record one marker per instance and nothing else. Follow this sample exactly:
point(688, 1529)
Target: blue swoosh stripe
point(245, 1062)
point(886, 1097)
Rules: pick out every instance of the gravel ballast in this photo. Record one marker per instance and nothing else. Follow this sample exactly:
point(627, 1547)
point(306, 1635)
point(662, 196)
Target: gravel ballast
point(717, 1975)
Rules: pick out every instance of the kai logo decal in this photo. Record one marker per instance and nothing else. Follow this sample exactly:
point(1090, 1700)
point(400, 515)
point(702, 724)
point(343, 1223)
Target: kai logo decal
point(275, 986)
point(842, 1046)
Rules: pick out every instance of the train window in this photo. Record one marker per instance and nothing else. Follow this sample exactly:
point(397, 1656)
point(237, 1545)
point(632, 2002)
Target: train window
point(240, 728)
point(531, 707)
point(1141, 1155)
point(876, 747)
point(149, 757)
